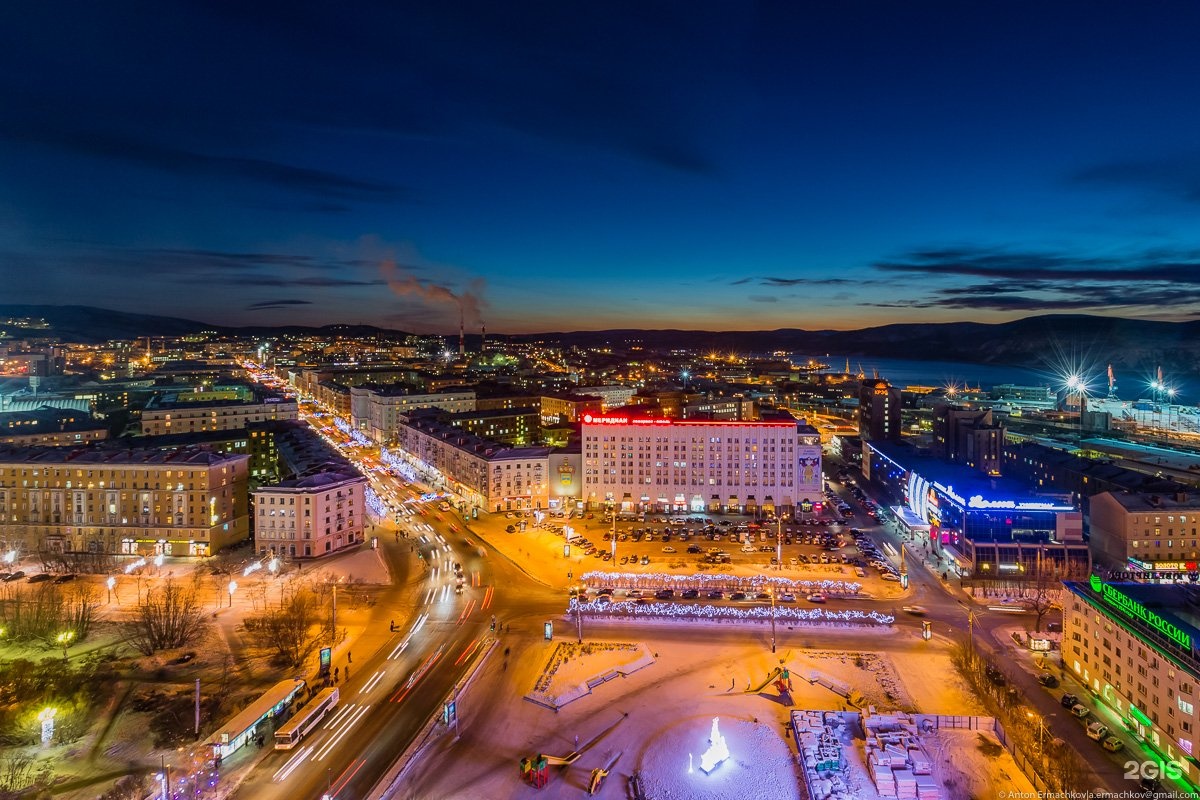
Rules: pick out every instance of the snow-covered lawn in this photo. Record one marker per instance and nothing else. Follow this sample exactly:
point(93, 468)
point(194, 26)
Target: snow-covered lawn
point(572, 667)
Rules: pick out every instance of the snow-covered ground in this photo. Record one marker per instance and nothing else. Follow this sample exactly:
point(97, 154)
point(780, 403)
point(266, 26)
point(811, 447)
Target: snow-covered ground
point(650, 720)
point(573, 666)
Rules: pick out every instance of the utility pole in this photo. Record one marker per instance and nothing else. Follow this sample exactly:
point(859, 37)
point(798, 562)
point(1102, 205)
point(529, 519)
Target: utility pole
point(197, 708)
point(333, 616)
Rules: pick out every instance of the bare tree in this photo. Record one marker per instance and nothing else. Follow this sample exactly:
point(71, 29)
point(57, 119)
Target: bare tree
point(293, 630)
point(166, 617)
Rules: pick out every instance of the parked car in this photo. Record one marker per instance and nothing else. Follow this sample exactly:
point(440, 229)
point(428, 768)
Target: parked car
point(1112, 744)
point(738, 596)
point(1080, 710)
point(690, 594)
point(70, 576)
point(1069, 700)
point(665, 594)
point(1047, 680)
point(787, 598)
point(39, 578)
point(816, 598)
point(633, 593)
point(645, 560)
point(669, 549)
point(1097, 731)
point(715, 594)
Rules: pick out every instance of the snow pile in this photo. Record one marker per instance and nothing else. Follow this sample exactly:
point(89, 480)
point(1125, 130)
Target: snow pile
point(760, 763)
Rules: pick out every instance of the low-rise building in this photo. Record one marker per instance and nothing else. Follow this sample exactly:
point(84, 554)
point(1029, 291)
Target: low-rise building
point(312, 516)
point(1134, 646)
point(52, 427)
point(380, 411)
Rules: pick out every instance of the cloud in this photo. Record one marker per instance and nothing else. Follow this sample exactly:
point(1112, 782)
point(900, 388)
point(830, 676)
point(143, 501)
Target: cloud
point(1032, 280)
point(1177, 176)
point(99, 144)
point(272, 304)
point(315, 282)
point(763, 298)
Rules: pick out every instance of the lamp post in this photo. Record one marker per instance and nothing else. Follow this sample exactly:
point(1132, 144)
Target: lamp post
point(111, 583)
point(771, 591)
point(64, 639)
point(232, 589)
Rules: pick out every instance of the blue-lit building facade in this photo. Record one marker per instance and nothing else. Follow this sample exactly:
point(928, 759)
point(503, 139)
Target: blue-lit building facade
point(981, 526)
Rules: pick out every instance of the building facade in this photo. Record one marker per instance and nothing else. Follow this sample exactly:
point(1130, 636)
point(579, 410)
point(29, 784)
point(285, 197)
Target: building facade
point(878, 411)
point(161, 419)
point(1150, 537)
point(968, 436)
point(380, 411)
point(1134, 646)
point(661, 464)
point(185, 502)
point(310, 517)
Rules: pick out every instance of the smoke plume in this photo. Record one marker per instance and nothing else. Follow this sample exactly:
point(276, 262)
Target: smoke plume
point(469, 301)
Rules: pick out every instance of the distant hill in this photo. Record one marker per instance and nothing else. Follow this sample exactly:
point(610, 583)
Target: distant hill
point(1125, 343)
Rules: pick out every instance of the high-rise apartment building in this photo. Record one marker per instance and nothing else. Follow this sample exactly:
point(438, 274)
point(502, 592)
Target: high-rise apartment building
point(878, 411)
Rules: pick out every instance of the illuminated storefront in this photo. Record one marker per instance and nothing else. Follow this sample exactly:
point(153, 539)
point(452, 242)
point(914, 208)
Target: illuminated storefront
point(981, 526)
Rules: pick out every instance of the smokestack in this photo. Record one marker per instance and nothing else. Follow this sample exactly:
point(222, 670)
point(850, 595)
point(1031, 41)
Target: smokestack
point(482, 336)
point(462, 335)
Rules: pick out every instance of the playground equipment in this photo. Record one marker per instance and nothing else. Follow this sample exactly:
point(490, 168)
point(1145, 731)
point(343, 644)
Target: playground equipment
point(536, 771)
point(599, 774)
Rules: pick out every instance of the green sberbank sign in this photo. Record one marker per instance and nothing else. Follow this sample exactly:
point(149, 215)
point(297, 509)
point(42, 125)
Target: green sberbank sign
point(1132, 608)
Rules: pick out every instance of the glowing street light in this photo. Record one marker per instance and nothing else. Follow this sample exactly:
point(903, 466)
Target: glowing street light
point(232, 589)
point(10, 557)
point(111, 583)
point(273, 565)
point(65, 638)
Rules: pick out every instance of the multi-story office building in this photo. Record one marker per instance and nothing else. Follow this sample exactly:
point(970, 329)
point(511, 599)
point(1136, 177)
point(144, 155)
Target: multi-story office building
point(489, 475)
point(1152, 537)
point(380, 411)
point(658, 464)
point(312, 516)
point(162, 418)
point(968, 436)
point(129, 501)
point(878, 411)
point(558, 409)
point(1134, 646)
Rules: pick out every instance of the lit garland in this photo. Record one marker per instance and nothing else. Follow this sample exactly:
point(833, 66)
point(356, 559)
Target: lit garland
point(374, 504)
point(703, 582)
point(398, 464)
point(629, 608)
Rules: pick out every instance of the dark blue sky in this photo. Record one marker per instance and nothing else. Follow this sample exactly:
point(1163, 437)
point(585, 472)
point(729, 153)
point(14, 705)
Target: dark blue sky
point(556, 166)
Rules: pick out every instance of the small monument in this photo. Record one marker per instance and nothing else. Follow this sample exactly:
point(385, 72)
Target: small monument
point(717, 750)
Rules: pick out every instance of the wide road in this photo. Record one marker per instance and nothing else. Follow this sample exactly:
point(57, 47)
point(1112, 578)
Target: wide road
point(395, 690)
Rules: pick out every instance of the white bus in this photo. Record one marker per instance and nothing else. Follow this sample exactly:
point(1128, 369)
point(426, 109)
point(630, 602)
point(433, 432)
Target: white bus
point(306, 719)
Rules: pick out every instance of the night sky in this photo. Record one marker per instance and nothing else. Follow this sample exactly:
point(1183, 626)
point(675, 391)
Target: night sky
point(560, 166)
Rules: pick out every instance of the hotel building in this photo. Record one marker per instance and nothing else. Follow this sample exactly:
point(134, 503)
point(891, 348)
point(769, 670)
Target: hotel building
point(658, 464)
point(1133, 644)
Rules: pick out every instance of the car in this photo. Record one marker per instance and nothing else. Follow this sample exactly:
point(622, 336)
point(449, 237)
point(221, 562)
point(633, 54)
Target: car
point(601, 554)
point(738, 596)
point(1097, 731)
point(665, 594)
point(787, 597)
point(1080, 710)
point(41, 577)
point(693, 548)
point(1112, 744)
point(624, 559)
point(690, 594)
point(715, 594)
point(607, 556)
point(916, 611)
point(67, 578)
point(1068, 700)
point(762, 596)
point(603, 600)
point(606, 590)
point(645, 560)
point(816, 598)
point(458, 589)
point(1047, 680)
point(633, 593)
point(510, 529)
point(669, 549)
point(888, 576)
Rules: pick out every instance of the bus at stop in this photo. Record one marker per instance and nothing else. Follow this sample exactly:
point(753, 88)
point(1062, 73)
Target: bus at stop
point(307, 718)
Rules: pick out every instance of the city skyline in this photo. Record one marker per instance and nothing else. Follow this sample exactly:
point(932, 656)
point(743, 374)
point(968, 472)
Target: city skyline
point(564, 168)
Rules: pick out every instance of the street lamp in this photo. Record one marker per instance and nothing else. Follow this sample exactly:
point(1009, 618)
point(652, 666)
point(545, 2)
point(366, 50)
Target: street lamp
point(771, 591)
point(232, 589)
point(64, 639)
point(111, 583)
point(10, 557)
